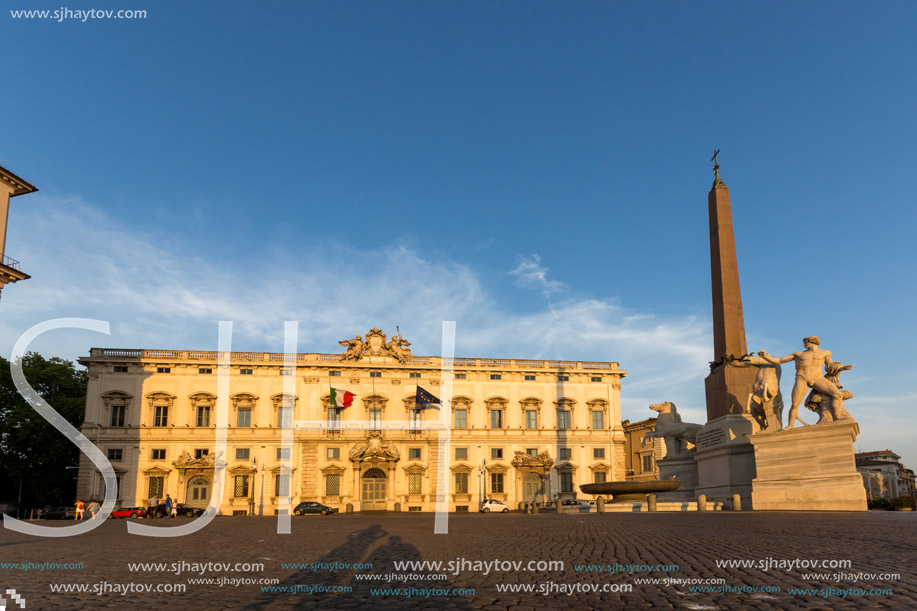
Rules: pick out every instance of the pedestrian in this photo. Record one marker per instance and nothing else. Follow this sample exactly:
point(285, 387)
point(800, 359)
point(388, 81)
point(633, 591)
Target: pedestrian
point(168, 506)
point(93, 508)
point(79, 510)
point(174, 508)
point(154, 506)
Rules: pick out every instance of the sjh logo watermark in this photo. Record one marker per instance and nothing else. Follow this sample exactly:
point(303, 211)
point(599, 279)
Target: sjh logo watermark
point(16, 599)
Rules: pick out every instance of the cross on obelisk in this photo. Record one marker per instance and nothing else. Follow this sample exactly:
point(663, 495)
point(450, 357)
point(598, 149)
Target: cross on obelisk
point(727, 387)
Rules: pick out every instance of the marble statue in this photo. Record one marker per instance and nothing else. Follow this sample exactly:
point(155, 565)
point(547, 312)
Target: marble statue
point(765, 403)
point(825, 406)
point(809, 364)
point(672, 430)
point(397, 348)
point(355, 348)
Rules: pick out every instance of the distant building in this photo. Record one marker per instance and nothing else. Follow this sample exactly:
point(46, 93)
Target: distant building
point(521, 430)
point(10, 186)
point(640, 461)
point(883, 475)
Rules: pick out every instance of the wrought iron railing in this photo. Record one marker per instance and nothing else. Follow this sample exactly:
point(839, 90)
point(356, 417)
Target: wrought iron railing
point(13, 263)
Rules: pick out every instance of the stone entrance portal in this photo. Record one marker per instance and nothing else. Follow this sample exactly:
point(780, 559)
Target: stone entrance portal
point(374, 485)
point(533, 487)
point(198, 493)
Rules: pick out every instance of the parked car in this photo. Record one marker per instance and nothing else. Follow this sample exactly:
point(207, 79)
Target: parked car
point(313, 507)
point(128, 512)
point(188, 511)
point(61, 513)
point(493, 506)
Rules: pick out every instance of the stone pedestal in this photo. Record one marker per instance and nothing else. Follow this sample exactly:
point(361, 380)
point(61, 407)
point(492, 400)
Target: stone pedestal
point(810, 468)
point(682, 469)
point(726, 459)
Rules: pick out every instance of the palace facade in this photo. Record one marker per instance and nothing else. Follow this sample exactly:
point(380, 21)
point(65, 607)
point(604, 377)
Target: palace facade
point(521, 430)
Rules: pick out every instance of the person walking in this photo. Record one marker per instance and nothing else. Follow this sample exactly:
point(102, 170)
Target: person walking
point(168, 506)
point(154, 506)
point(174, 508)
point(79, 510)
point(93, 509)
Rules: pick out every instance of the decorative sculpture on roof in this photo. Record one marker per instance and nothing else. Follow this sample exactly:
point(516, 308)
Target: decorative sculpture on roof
point(521, 459)
point(672, 430)
point(375, 345)
point(375, 448)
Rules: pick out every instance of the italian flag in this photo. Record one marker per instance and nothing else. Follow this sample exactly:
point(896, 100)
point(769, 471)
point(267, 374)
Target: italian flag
point(341, 398)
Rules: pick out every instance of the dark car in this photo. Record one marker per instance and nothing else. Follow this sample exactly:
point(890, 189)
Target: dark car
point(313, 507)
point(61, 513)
point(128, 512)
point(188, 511)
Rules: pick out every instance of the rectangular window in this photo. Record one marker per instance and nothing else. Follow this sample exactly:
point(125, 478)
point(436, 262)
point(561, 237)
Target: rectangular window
point(115, 453)
point(415, 374)
point(285, 416)
point(496, 376)
point(375, 374)
point(240, 489)
point(203, 415)
point(333, 484)
point(496, 418)
point(533, 452)
point(244, 417)
point(563, 419)
point(596, 379)
point(563, 378)
point(163, 370)
point(375, 417)
point(599, 477)
point(529, 378)
point(566, 453)
point(648, 463)
point(415, 417)
point(496, 482)
point(333, 453)
point(461, 453)
point(201, 453)
point(414, 483)
point(158, 455)
point(246, 372)
point(161, 417)
point(496, 453)
point(598, 419)
point(156, 485)
point(283, 453)
point(531, 419)
point(414, 453)
point(205, 370)
point(120, 369)
point(598, 452)
point(286, 372)
point(461, 376)
point(242, 453)
point(461, 483)
point(334, 374)
point(334, 416)
point(281, 485)
point(566, 482)
point(117, 415)
point(461, 418)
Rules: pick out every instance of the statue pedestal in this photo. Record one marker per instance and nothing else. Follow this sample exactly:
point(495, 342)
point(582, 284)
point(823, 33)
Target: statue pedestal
point(682, 469)
point(808, 468)
point(726, 459)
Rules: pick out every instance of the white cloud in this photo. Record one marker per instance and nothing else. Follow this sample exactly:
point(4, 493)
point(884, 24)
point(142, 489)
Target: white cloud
point(530, 273)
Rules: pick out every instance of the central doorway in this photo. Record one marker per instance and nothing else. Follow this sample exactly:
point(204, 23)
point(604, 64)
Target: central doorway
point(198, 492)
point(374, 485)
point(533, 488)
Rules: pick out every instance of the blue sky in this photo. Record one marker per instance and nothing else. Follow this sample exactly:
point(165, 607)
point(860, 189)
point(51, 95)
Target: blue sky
point(537, 172)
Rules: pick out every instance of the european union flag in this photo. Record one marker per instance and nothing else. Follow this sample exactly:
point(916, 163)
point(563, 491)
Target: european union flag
point(424, 399)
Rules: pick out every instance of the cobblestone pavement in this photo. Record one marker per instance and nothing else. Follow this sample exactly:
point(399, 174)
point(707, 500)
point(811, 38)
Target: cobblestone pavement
point(876, 544)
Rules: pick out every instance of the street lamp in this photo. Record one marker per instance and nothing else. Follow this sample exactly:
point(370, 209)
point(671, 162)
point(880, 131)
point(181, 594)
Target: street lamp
point(261, 506)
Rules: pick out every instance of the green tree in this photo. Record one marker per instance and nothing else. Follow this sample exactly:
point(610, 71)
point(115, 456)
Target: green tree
point(31, 450)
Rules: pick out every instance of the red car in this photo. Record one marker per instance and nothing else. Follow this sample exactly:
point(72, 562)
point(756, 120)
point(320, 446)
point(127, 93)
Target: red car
point(128, 512)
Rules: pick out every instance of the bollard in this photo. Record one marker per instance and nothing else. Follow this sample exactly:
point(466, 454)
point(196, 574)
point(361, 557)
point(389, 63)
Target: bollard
point(397, 506)
point(600, 505)
point(534, 507)
point(349, 508)
point(651, 502)
point(702, 502)
point(559, 505)
point(736, 502)
point(526, 508)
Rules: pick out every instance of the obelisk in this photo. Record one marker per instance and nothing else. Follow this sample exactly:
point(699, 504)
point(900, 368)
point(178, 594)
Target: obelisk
point(727, 387)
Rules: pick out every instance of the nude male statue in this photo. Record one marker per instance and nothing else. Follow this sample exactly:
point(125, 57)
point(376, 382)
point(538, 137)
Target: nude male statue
point(809, 363)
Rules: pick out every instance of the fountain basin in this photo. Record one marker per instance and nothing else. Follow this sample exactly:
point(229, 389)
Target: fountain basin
point(630, 491)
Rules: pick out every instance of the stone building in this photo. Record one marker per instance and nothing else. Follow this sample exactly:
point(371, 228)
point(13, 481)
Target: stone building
point(640, 461)
point(881, 474)
point(10, 186)
point(521, 430)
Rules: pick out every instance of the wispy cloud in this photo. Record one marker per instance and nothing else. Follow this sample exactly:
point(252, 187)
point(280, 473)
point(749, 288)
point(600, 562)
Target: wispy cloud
point(531, 274)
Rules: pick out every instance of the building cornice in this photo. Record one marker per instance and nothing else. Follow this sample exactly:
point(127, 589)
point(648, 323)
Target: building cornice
point(17, 184)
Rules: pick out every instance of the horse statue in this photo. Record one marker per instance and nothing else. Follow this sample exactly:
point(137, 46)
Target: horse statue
point(676, 434)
